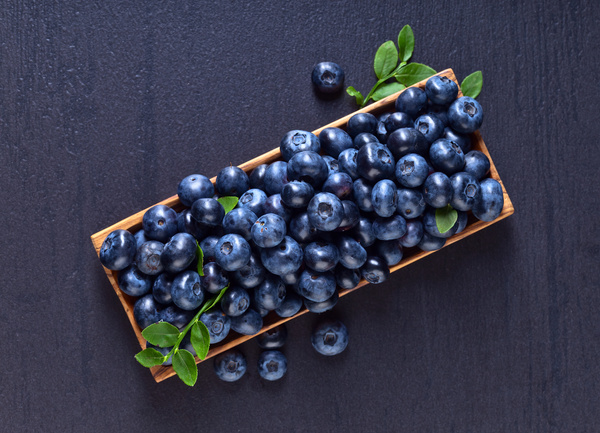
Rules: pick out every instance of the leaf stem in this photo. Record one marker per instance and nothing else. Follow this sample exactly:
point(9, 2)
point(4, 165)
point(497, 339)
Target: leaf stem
point(381, 81)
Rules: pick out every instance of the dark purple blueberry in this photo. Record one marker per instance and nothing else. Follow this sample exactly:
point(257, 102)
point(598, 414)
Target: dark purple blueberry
point(316, 286)
point(235, 301)
point(301, 229)
point(381, 133)
point(375, 162)
point(437, 190)
point(232, 181)
point(273, 338)
point(465, 187)
point(363, 232)
point(275, 205)
point(490, 200)
point(249, 323)
point(140, 237)
point(446, 156)
point(463, 140)
point(328, 77)
point(207, 245)
point(208, 211)
point(430, 126)
point(268, 230)
point(329, 338)
point(398, 120)
point(187, 224)
point(186, 290)
point(178, 253)
point(147, 258)
point(383, 197)
point(362, 191)
point(133, 282)
point(276, 176)
point(351, 216)
point(413, 235)
point(270, 293)
point(297, 194)
point(463, 219)
point(323, 306)
point(215, 278)
point(193, 187)
point(321, 256)
point(232, 252)
point(390, 251)
point(298, 141)
point(347, 278)
point(334, 141)
point(217, 323)
point(309, 167)
point(431, 228)
point(347, 162)
point(160, 223)
point(410, 203)
point(412, 170)
point(230, 366)
point(477, 164)
point(254, 200)
point(389, 228)
point(176, 316)
point(363, 138)
point(431, 243)
point(240, 221)
point(407, 140)
point(292, 278)
point(257, 177)
point(145, 311)
point(284, 258)
point(465, 115)
point(290, 305)
point(250, 275)
point(332, 165)
point(339, 184)
point(361, 122)
point(161, 289)
point(441, 90)
point(272, 365)
point(413, 101)
point(118, 250)
point(375, 270)
point(352, 255)
point(325, 211)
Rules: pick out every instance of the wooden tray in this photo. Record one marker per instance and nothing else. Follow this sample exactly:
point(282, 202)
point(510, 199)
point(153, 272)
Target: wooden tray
point(134, 223)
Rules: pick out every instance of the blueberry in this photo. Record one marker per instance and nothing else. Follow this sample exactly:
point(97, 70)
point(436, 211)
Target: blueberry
point(347, 162)
point(235, 301)
point(437, 190)
point(140, 238)
point(351, 253)
point(309, 167)
point(187, 224)
point(147, 258)
point(208, 211)
point(463, 140)
point(321, 307)
point(431, 228)
point(363, 232)
point(389, 228)
point(329, 338)
point(351, 216)
point(268, 230)
point(431, 243)
point(347, 278)
point(290, 305)
point(407, 140)
point(430, 126)
point(240, 221)
point(176, 316)
point(193, 187)
point(186, 290)
point(477, 164)
point(276, 176)
point(413, 235)
point(490, 200)
point(145, 311)
point(375, 270)
point(298, 141)
point(381, 133)
point(284, 258)
point(361, 122)
point(178, 253)
point(375, 162)
point(251, 275)
point(441, 90)
point(215, 278)
point(254, 200)
point(301, 230)
point(118, 250)
point(362, 191)
point(232, 181)
point(383, 197)
point(275, 205)
point(218, 325)
point(440, 111)
point(410, 203)
point(297, 194)
point(325, 211)
point(321, 256)
point(232, 252)
point(339, 184)
point(363, 138)
point(390, 251)
point(465, 187)
point(270, 293)
point(160, 223)
point(332, 165)
point(398, 120)
point(446, 156)
point(465, 115)
point(272, 365)
point(316, 286)
point(273, 338)
point(163, 350)
point(249, 323)
point(230, 366)
point(257, 177)
point(161, 289)
point(463, 219)
point(334, 141)
point(328, 77)
point(413, 101)
point(208, 245)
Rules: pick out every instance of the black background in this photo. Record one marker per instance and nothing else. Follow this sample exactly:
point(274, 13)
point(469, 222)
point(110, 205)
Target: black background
point(105, 106)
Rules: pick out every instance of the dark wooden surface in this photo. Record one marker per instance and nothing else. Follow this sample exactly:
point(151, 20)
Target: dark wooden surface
point(105, 106)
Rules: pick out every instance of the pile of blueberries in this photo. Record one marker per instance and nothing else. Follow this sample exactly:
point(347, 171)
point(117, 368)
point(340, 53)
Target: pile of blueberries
point(335, 209)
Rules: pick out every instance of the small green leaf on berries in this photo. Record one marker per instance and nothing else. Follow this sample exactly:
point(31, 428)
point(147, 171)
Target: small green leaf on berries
point(353, 92)
point(185, 367)
point(161, 334)
point(386, 90)
point(406, 43)
point(150, 357)
point(445, 218)
point(386, 59)
point(211, 302)
point(471, 85)
point(413, 73)
point(228, 202)
point(200, 339)
point(200, 255)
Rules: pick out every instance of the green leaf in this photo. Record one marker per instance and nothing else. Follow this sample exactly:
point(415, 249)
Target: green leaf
point(353, 92)
point(185, 367)
point(150, 357)
point(228, 202)
point(386, 59)
point(471, 85)
point(200, 339)
point(210, 303)
point(445, 218)
point(406, 43)
point(200, 255)
point(413, 73)
point(387, 89)
point(161, 334)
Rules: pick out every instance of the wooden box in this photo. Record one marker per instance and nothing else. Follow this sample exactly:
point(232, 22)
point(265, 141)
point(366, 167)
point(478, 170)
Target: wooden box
point(134, 223)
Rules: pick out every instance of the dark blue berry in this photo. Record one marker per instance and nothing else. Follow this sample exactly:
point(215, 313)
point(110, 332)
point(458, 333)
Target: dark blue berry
point(407, 140)
point(446, 156)
point(334, 141)
point(490, 200)
point(431, 243)
point(160, 223)
point(145, 311)
point(276, 176)
point(351, 216)
point(347, 162)
point(347, 278)
point(270, 293)
point(465, 115)
point(230, 366)
point(362, 191)
point(463, 140)
point(275, 205)
point(383, 197)
point(176, 316)
point(323, 306)
point(329, 338)
point(290, 305)
point(431, 228)
point(441, 90)
point(398, 120)
point(248, 323)
point(161, 289)
point(363, 138)
point(178, 253)
point(215, 278)
point(235, 301)
point(284, 258)
point(412, 170)
point(390, 251)
point(232, 252)
point(217, 323)
point(413, 101)
point(465, 188)
point(240, 221)
point(352, 255)
point(309, 167)
point(413, 235)
point(147, 258)
point(430, 126)
point(389, 228)
point(375, 162)
point(301, 230)
point(272, 365)
point(298, 141)
point(257, 177)
point(251, 275)
point(268, 230)
point(208, 245)
point(363, 232)
point(254, 200)
point(325, 211)
point(332, 165)
point(186, 290)
point(410, 203)
point(437, 190)
point(232, 181)
point(361, 122)
point(328, 77)
point(339, 184)
point(375, 270)
point(208, 211)
point(193, 187)
point(321, 256)
point(273, 338)
point(118, 250)
point(297, 194)
point(316, 286)
point(477, 164)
